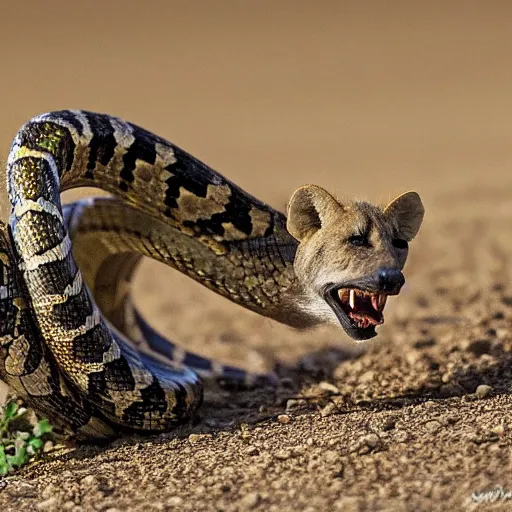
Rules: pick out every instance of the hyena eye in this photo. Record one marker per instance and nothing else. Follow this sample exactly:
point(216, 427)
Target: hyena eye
point(399, 243)
point(359, 241)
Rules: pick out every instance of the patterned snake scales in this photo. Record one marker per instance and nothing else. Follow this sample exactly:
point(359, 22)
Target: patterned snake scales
point(57, 350)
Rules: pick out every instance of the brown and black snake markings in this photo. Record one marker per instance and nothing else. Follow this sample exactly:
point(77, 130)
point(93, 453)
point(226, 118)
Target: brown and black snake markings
point(75, 357)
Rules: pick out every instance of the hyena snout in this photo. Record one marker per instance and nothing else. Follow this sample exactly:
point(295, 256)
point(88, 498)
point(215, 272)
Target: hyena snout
point(390, 280)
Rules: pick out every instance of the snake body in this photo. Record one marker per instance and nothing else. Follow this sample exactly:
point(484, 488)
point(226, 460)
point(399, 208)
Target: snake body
point(69, 353)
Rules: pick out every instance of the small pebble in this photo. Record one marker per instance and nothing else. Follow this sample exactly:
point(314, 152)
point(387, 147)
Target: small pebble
point(195, 438)
point(48, 446)
point(292, 404)
point(327, 386)
point(401, 436)
point(499, 429)
point(337, 486)
point(446, 377)
point(347, 503)
point(502, 333)
point(371, 440)
point(483, 390)
point(252, 450)
point(329, 409)
point(89, 480)
point(299, 450)
point(432, 426)
point(250, 500)
point(330, 456)
point(284, 418)
point(283, 454)
point(174, 501)
point(22, 435)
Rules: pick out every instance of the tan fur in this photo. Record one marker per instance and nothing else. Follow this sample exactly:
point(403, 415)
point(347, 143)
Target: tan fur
point(323, 227)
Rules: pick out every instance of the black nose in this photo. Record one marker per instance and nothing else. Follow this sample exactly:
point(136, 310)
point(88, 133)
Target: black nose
point(390, 280)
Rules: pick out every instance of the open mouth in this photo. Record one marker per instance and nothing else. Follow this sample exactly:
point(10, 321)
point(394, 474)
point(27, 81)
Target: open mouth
point(359, 311)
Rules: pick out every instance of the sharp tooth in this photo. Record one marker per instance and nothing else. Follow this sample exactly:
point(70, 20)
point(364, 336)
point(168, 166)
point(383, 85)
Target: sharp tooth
point(375, 301)
point(382, 301)
point(352, 299)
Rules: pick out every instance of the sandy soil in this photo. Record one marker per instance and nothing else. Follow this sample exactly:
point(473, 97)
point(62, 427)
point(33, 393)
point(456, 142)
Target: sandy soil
point(365, 100)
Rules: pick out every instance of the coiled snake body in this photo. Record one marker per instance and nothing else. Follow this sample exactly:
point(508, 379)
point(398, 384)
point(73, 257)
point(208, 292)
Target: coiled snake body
point(74, 357)
point(58, 350)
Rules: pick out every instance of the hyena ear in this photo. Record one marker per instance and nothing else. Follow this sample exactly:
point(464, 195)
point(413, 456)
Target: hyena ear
point(407, 212)
point(309, 207)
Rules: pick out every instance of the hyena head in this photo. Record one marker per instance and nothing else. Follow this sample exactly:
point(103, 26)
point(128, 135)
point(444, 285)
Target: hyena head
point(350, 256)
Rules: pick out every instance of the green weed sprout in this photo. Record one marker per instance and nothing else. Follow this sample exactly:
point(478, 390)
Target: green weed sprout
point(22, 438)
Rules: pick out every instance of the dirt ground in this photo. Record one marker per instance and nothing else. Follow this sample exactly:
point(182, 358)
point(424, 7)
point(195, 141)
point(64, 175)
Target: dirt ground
point(367, 99)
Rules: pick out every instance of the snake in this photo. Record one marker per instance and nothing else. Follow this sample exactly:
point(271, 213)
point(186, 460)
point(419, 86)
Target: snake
point(71, 338)
point(58, 348)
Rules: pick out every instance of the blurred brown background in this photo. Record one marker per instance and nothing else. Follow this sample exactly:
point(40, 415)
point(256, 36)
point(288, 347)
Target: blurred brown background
point(365, 98)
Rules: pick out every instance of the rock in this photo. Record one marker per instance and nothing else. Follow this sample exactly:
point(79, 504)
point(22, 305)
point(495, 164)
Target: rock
point(432, 426)
point(174, 501)
point(499, 430)
point(195, 438)
point(327, 386)
point(252, 450)
point(331, 456)
point(283, 454)
point(401, 436)
point(483, 390)
point(250, 501)
point(347, 504)
point(89, 480)
point(371, 440)
point(291, 404)
point(48, 446)
point(329, 409)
